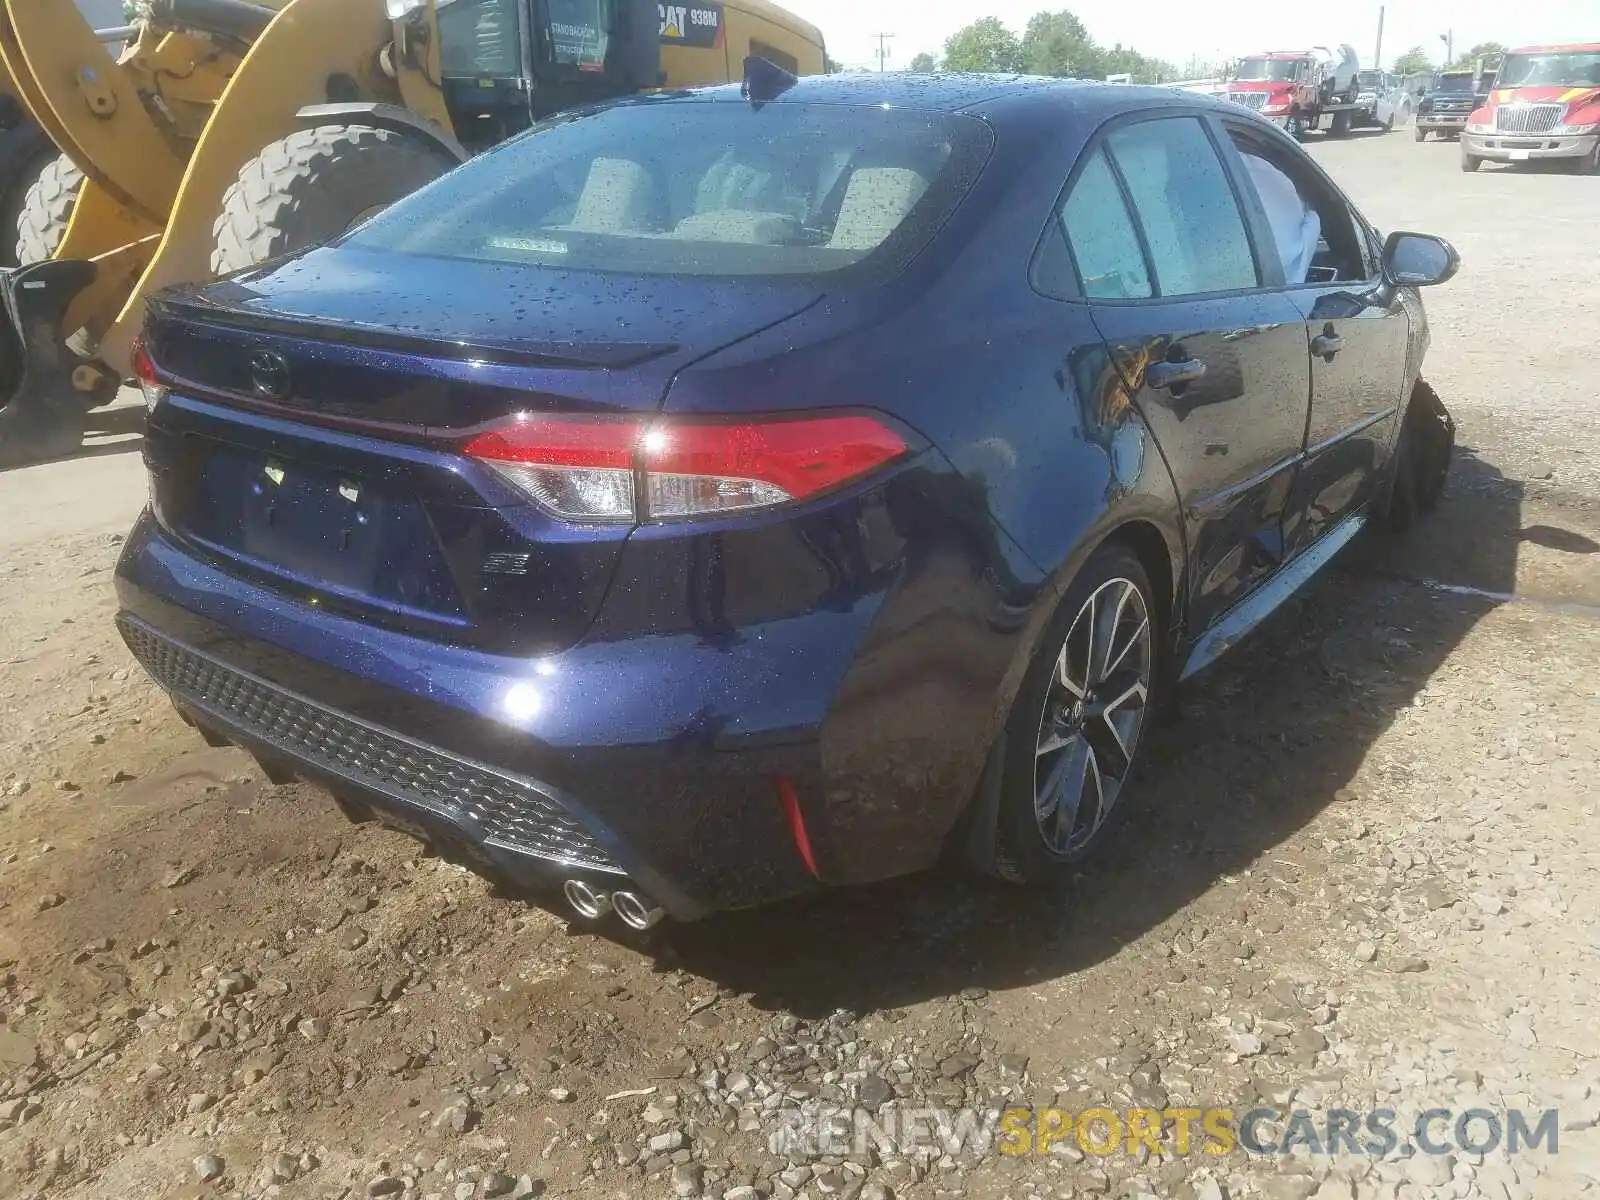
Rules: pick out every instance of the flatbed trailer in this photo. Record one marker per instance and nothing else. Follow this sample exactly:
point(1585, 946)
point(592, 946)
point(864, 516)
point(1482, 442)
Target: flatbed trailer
point(1341, 116)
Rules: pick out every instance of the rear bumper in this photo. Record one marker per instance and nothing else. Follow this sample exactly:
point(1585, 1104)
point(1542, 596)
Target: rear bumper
point(656, 758)
point(504, 820)
point(1508, 147)
point(604, 760)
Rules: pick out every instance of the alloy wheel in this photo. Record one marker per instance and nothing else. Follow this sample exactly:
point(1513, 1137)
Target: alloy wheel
point(1094, 712)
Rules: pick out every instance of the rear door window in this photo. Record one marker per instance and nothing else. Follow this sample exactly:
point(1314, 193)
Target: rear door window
point(1186, 207)
point(699, 188)
point(1101, 234)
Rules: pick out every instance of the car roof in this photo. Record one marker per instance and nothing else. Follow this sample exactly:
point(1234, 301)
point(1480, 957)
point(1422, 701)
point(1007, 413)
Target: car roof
point(949, 91)
point(1573, 48)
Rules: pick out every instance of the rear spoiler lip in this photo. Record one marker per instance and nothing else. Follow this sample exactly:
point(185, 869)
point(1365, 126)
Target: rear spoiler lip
point(197, 308)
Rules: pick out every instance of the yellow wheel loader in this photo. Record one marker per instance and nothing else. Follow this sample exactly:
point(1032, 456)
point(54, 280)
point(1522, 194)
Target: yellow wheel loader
point(226, 132)
point(27, 155)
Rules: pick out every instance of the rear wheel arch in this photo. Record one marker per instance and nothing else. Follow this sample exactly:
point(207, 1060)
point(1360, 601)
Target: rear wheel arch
point(1157, 546)
point(1160, 552)
point(1159, 557)
point(1003, 839)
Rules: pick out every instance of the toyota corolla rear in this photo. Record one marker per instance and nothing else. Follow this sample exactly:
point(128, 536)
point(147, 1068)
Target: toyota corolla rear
point(470, 518)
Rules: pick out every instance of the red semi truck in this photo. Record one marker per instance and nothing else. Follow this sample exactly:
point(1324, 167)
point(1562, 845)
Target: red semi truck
point(1545, 106)
point(1298, 88)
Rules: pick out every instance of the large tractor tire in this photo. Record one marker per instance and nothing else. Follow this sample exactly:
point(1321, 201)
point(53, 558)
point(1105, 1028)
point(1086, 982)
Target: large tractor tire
point(41, 222)
point(13, 195)
point(314, 185)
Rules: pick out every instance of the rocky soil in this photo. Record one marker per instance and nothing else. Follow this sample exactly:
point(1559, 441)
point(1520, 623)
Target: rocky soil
point(1361, 873)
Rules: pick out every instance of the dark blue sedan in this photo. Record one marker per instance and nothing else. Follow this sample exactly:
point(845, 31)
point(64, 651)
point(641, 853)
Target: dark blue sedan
point(710, 498)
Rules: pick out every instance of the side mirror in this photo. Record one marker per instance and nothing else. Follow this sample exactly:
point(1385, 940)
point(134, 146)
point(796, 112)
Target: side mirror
point(1418, 260)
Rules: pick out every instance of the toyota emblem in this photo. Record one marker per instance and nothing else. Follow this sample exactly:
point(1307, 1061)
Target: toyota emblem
point(269, 375)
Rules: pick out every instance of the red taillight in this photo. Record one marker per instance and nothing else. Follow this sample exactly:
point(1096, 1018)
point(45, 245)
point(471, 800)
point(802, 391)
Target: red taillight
point(586, 468)
point(574, 467)
point(144, 369)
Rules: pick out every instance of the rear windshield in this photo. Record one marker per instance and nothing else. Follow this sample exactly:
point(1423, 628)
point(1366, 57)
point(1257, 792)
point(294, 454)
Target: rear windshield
point(699, 188)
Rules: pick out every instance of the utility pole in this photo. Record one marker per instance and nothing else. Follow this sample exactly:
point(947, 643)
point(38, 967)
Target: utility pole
point(1449, 40)
point(882, 51)
point(1377, 52)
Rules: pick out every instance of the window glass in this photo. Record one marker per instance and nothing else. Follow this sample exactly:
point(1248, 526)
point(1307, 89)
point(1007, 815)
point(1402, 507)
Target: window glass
point(699, 188)
point(479, 37)
point(1101, 234)
point(1184, 202)
point(580, 31)
point(1312, 231)
point(1577, 68)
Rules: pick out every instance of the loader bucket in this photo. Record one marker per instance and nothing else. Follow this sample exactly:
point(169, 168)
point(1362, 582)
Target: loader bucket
point(44, 413)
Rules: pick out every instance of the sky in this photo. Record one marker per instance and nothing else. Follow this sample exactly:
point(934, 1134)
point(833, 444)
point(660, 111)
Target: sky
point(1177, 30)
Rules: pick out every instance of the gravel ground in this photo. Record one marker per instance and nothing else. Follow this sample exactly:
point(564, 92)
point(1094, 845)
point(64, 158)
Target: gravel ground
point(1360, 872)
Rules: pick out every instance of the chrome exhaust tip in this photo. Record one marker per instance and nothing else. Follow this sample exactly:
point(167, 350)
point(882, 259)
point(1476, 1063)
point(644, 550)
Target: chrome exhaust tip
point(585, 900)
point(637, 912)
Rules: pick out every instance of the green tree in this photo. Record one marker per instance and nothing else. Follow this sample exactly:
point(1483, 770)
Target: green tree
point(1414, 61)
point(832, 66)
point(1056, 43)
point(1119, 60)
point(1489, 50)
point(923, 63)
point(985, 45)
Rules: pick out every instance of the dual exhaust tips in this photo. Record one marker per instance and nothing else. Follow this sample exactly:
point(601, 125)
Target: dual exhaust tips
point(636, 911)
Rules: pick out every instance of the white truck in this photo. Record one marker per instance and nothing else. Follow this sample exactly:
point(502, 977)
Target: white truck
point(1381, 101)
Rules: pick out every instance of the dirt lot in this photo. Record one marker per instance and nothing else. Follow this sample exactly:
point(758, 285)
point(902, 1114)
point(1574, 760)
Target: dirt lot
point(1362, 871)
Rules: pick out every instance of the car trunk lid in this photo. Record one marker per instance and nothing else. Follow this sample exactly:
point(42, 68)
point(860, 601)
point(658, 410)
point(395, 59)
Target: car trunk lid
point(311, 440)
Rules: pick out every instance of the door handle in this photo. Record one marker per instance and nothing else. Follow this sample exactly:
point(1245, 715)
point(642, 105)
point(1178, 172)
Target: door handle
point(1326, 344)
point(1164, 376)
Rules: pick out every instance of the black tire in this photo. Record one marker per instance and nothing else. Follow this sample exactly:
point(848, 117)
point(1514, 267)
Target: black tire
point(1420, 133)
point(47, 209)
point(1589, 164)
point(13, 195)
point(1421, 459)
point(1339, 125)
point(1021, 854)
point(1470, 162)
point(314, 185)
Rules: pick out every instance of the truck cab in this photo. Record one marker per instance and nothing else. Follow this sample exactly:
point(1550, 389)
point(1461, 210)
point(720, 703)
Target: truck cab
point(1295, 87)
point(1544, 106)
point(1446, 105)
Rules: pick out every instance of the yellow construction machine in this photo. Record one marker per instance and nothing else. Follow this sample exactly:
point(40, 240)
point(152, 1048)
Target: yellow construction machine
point(215, 134)
point(26, 153)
